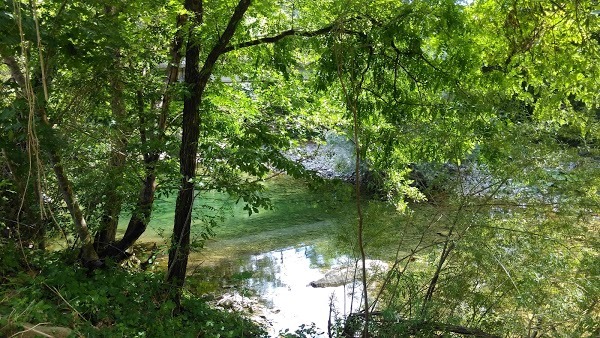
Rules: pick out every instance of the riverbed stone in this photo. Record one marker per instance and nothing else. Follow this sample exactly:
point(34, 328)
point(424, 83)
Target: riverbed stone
point(348, 273)
point(251, 307)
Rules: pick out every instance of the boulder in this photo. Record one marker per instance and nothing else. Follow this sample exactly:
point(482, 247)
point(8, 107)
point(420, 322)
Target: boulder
point(346, 274)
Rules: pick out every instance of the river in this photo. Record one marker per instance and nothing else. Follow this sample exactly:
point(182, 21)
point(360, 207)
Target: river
point(281, 281)
point(264, 263)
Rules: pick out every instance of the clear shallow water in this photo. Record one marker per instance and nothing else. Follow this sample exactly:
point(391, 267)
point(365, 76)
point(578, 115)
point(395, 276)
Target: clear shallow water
point(281, 280)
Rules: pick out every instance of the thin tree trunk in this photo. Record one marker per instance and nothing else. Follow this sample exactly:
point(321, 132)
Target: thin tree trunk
point(448, 246)
point(361, 243)
point(197, 81)
point(112, 198)
point(172, 73)
point(143, 210)
point(351, 101)
point(88, 253)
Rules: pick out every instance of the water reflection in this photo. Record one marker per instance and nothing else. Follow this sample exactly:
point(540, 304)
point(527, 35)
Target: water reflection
point(281, 280)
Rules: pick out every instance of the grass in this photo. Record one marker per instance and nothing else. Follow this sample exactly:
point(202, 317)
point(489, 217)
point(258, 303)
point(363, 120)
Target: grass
point(111, 302)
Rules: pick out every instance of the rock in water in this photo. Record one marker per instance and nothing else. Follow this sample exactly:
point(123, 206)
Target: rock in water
point(346, 274)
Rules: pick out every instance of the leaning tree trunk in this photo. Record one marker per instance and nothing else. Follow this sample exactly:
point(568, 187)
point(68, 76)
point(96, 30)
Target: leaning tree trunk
point(143, 209)
point(116, 165)
point(88, 253)
point(140, 217)
point(197, 81)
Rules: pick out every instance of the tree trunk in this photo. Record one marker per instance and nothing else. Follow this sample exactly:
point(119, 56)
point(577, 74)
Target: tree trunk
point(112, 198)
point(179, 250)
point(88, 253)
point(141, 216)
point(89, 256)
point(197, 81)
point(352, 103)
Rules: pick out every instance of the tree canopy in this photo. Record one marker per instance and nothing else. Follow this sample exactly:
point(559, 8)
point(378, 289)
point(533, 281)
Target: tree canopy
point(106, 104)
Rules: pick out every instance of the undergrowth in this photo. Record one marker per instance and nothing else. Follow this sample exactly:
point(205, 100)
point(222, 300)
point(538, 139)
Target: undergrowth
point(111, 302)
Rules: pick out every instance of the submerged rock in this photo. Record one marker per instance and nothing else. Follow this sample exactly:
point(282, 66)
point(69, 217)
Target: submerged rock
point(348, 273)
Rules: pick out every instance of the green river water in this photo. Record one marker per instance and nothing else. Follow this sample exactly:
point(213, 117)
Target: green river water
point(270, 257)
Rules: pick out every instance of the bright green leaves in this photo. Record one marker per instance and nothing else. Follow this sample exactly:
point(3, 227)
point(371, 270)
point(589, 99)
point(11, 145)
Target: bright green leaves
point(512, 85)
point(549, 55)
point(14, 14)
point(413, 74)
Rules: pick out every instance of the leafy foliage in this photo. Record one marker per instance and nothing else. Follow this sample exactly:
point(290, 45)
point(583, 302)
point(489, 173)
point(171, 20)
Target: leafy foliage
point(499, 97)
point(109, 302)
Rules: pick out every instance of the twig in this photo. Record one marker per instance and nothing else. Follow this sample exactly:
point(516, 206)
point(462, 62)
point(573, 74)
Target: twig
point(32, 328)
point(351, 102)
point(53, 289)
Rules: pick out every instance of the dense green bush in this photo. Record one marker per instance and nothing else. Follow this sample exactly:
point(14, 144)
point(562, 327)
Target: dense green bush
point(113, 302)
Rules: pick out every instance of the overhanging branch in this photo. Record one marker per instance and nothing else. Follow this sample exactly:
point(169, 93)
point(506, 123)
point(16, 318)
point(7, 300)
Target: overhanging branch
point(416, 326)
point(280, 36)
point(295, 32)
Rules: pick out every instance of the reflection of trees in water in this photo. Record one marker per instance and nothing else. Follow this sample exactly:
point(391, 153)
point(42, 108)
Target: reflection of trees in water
point(266, 271)
point(269, 269)
point(316, 260)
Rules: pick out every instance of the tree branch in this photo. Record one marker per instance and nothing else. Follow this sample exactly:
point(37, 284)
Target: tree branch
point(221, 46)
point(15, 70)
point(292, 32)
point(280, 36)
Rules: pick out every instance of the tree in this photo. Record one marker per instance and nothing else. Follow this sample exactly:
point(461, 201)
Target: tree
point(197, 77)
point(109, 81)
point(501, 89)
point(446, 90)
point(96, 58)
point(36, 94)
